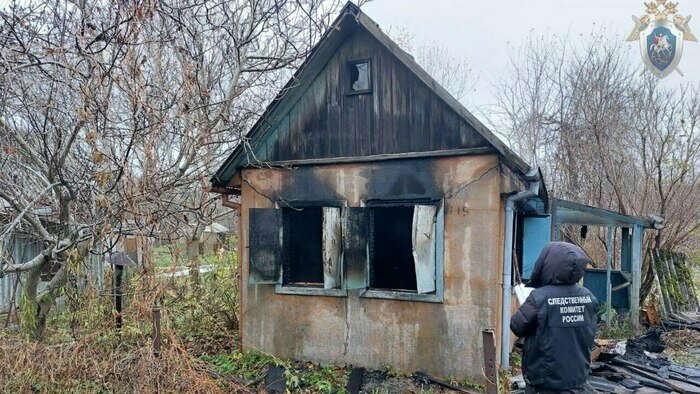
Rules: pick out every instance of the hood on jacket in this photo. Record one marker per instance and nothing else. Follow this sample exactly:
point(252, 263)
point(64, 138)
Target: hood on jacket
point(560, 263)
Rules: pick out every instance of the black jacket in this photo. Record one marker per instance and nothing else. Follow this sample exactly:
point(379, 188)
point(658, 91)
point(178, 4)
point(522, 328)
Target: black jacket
point(558, 320)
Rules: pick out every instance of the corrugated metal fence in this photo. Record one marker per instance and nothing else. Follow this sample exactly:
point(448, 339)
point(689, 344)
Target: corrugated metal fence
point(21, 249)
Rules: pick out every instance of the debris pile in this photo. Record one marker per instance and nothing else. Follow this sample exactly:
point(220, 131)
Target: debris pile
point(637, 366)
point(640, 365)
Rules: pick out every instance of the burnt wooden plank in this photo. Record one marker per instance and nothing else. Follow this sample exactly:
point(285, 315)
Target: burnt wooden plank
point(385, 157)
point(283, 143)
point(452, 132)
point(347, 128)
point(355, 381)
point(382, 117)
point(306, 131)
point(363, 129)
point(425, 122)
point(346, 131)
point(417, 114)
point(355, 242)
point(436, 124)
point(392, 112)
point(470, 138)
point(333, 107)
point(364, 49)
point(270, 147)
point(317, 119)
point(275, 381)
point(295, 128)
point(421, 114)
point(400, 115)
point(265, 245)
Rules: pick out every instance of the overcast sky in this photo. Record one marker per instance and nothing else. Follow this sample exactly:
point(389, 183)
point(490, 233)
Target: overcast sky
point(485, 32)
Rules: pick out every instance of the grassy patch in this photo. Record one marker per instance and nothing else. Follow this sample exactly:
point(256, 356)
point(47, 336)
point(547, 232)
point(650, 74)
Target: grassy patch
point(162, 256)
point(471, 385)
point(684, 358)
point(619, 328)
point(249, 366)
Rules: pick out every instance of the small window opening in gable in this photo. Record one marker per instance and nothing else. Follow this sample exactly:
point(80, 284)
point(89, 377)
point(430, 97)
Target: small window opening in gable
point(360, 76)
point(402, 249)
point(303, 260)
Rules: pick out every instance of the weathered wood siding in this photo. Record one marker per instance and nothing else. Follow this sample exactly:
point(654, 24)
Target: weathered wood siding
point(400, 115)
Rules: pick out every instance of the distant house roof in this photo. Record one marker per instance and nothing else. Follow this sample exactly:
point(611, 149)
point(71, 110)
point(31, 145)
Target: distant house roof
point(350, 17)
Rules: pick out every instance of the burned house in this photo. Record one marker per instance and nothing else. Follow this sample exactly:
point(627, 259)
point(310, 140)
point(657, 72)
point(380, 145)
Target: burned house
point(374, 214)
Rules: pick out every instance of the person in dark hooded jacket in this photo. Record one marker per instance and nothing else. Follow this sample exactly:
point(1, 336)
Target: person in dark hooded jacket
point(558, 321)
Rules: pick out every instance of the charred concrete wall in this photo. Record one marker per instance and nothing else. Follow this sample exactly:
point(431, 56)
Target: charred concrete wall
point(440, 338)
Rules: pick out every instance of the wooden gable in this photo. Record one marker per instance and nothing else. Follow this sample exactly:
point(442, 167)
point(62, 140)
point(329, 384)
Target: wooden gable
point(406, 111)
point(399, 115)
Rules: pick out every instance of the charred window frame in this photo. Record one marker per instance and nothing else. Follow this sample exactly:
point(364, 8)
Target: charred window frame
point(312, 250)
point(405, 274)
point(359, 76)
point(297, 248)
point(351, 239)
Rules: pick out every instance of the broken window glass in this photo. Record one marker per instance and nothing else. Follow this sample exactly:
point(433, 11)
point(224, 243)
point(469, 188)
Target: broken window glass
point(360, 76)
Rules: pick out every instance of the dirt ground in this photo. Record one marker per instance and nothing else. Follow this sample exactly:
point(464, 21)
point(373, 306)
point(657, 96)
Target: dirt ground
point(683, 346)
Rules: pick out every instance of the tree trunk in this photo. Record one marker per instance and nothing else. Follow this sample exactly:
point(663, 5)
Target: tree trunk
point(36, 305)
point(28, 306)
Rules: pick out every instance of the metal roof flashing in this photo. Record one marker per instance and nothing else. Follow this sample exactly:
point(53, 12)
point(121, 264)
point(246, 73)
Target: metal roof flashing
point(569, 212)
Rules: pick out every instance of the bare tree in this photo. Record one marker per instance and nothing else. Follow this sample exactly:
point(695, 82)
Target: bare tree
point(605, 134)
point(113, 114)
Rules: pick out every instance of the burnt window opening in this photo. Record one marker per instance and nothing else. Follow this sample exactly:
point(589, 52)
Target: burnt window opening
point(301, 247)
point(391, 264)
point(303, 254)
point(360, 77)
point(402, 248)
point(391, 251)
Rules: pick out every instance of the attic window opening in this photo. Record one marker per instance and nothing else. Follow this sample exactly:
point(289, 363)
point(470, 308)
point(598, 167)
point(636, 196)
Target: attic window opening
point(303, 245)
point(360, 76)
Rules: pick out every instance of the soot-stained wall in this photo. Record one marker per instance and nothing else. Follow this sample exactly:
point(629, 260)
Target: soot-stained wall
point(440, 338)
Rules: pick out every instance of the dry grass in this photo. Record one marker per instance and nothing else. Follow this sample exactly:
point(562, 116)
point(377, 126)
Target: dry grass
point(682, 339)
point(680, 346)
point(98, 363)
point(83, 352)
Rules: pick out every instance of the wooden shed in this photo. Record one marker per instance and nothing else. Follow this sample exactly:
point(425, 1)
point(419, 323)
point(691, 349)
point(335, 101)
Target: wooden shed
point(377, 214)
